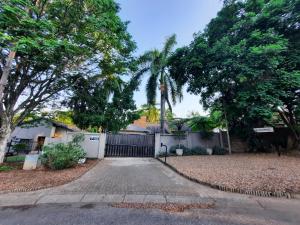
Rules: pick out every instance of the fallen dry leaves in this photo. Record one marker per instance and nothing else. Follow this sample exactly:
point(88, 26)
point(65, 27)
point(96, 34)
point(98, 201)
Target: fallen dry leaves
point(168, 207)
point(259, 172)
point(21, 180)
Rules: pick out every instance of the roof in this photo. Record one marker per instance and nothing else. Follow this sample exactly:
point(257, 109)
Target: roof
point(135, 128)
point(155, 128)
point(54, 123)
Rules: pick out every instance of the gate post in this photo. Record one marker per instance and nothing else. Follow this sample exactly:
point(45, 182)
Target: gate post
point(102, 142)
point(157, 144)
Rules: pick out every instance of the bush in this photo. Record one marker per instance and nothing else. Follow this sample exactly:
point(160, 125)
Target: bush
point(14, 159)
point(20, 147)
point(188, 151)
point(199, 151)
point(219, 150)
point(172, 150)
point(4, 168)
point(62, 156)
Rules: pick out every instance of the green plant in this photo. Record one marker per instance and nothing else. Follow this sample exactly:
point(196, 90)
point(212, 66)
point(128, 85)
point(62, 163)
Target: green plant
point(172, 150)
point(199, 151)
point(155, 64)
point(62, 156)
point(17, 158)
point(20, 147)
point(179, 135)
point(5, 168)
point(219, 150)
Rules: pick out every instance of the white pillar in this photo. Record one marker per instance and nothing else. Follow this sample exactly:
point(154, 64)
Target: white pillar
point(102, 142)
point(157, 144)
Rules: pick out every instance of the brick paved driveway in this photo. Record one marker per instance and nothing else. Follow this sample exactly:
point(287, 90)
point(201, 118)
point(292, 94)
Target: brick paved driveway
point(140, 176)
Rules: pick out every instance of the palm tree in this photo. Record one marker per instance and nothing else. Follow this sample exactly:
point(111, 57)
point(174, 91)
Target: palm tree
point(151, 113)
point(155, 63)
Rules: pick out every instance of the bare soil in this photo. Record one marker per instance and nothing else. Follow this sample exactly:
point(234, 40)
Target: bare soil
point(21, 180)
point(249, 172)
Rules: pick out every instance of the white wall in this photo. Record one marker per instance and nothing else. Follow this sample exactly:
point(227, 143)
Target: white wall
point(193, 139)
point(91, 143)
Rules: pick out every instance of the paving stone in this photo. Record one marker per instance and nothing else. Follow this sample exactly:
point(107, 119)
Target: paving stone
point(136, 176)
point(155, 199)
point(113, 198)
point(93, 198)
point(134, 198)
point(67, 198)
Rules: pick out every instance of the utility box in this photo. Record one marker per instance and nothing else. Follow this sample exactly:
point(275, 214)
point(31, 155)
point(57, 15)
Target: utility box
point(32, 161)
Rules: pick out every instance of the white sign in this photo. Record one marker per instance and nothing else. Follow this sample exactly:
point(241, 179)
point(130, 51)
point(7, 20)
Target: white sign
point(94, 138)
point(264, 130)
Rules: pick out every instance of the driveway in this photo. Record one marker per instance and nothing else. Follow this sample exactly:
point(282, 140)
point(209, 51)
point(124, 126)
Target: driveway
point(139, 176)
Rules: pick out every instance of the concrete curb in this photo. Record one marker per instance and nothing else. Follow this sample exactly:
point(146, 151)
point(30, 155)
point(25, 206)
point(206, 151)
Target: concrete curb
point(287, 195)
point(18, 200)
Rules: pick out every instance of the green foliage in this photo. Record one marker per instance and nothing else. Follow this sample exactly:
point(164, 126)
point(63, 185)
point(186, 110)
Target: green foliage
point(169, 115)
point(103, 104)
point(17, 158)
point(4, 168)
point(206, 124)
point(199, 151)
point(151, 113)
point(156, 63)
point(55, 42)
point(20, 147)
point(201, 123)
point(173, 148)
point(219, 151)
point(177, 125)
point(246, 63)
point(188, 151)
point(61, 156)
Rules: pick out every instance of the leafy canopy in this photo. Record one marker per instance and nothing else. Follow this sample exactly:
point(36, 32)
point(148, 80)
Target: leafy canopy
point(246, 63)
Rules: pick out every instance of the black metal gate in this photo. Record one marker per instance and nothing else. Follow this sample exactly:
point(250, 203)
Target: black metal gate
point(129, 145)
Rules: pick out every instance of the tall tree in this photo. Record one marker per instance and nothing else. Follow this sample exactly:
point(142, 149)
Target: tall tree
point(102, 105)
point(155, 63)
point(246, 63)
point(44, 43)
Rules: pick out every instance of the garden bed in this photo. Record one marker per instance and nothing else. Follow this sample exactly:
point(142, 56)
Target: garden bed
point(16, 179)
point(246, 172)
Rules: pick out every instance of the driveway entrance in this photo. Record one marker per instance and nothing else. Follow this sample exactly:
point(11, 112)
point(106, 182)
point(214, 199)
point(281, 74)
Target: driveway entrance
point(129, 145)
point(139, 176)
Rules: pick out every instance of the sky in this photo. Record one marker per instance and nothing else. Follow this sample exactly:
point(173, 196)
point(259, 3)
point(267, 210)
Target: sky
point(152, 21)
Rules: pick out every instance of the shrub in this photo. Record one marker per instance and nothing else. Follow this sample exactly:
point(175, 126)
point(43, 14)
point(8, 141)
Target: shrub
point(199, 151)
point(14, 159)
point(217, 150)
point(174, 147)
point(188, 151)
point(20, 147)
point(4, 168)
point(62, 156)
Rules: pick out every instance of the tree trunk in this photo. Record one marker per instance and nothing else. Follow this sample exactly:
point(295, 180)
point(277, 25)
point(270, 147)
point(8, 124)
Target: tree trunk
point(5, 73)
point(162, 108)
point(290, 126)
point(5, 132)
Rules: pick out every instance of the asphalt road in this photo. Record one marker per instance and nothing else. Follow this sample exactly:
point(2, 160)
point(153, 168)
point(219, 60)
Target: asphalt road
point(92, 214)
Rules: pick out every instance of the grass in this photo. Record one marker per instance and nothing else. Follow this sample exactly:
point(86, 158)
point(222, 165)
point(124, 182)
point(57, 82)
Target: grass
point(17, 158)
point(5, 168)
